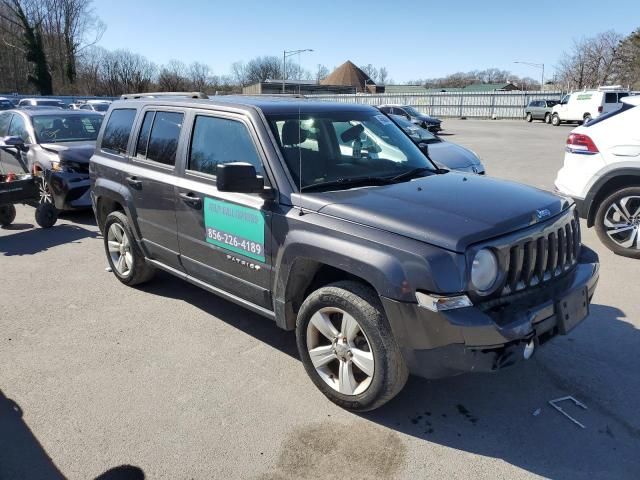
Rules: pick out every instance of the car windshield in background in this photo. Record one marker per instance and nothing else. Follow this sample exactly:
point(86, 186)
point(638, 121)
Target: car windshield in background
point(66, 128)
point(49, 103)
point(552, 103)
point(412, 111)
point(100, 107)
point(416, 132)
point(340, 150)
point(5, 105)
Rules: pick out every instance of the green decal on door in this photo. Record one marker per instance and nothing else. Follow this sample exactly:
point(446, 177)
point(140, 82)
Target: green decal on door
point(235, 228)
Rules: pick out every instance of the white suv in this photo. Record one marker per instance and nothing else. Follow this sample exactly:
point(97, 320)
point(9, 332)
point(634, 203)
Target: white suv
point(601, 173)
point(584, 105)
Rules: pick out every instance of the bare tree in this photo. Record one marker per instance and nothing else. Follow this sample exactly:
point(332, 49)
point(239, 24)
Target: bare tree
point(199, 76)
point(27, 18)
point(321, 73)
point(173, 77)
point(383, 75)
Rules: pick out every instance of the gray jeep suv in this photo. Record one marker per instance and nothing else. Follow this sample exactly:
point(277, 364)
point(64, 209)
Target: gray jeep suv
point(539, 110)
point(329, 220)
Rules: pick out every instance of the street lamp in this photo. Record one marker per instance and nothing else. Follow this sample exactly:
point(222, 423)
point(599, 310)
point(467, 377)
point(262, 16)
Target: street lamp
point(289, 53)
point(537, 65)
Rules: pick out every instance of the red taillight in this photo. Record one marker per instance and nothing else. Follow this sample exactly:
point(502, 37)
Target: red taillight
point(600, 109)
point(579, 143)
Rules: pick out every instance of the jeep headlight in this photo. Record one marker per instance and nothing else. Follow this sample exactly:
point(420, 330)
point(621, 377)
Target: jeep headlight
point(484, 271)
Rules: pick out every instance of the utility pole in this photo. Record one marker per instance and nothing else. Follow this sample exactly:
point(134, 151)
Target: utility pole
point(285, 54)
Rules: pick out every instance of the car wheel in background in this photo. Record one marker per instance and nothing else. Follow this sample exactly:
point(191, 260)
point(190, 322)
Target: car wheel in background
point(44, 190)
point(347, 347)
point(555, 120)
point(617, 222)
point(529, 117)
point(125, 258)
point(547, 118)
point(46, 215)
point(587, 118)
point(7, 215)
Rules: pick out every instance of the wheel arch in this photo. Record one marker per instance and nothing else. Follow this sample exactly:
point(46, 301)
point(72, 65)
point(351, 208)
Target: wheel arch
point(606, 186)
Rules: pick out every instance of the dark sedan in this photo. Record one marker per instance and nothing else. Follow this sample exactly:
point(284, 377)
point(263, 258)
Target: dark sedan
point(412, 114)
point(57, 143)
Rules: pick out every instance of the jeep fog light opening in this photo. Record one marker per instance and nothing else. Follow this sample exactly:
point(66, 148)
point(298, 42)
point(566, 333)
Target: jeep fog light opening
point(484, 271)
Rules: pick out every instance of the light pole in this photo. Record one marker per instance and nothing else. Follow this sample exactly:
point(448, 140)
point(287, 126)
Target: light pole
point(288, 53)
point(537, 65)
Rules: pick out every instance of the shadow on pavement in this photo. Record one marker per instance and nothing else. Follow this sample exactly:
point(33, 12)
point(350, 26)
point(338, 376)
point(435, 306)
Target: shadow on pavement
point(492, 414)
point(262, 329)
point(23, 457)
point(30, 242)
point(79, 217)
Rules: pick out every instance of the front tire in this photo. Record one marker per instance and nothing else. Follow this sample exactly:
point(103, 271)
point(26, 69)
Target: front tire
point(347, 347)
point(617, 222)
point(125, 258)
point(529, 118)
point(555, 120)
point(7, 215)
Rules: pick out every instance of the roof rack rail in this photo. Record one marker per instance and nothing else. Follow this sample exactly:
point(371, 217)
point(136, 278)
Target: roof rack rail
point(132, 96)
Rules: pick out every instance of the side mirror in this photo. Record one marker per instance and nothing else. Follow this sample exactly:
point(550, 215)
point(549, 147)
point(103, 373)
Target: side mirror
point(424, 148)
point(12, 142)
point(239, 177)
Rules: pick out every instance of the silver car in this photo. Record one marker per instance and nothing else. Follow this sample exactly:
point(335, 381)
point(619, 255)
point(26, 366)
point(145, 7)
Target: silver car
point(539, 110)
point(446, 154)
point(57, 143)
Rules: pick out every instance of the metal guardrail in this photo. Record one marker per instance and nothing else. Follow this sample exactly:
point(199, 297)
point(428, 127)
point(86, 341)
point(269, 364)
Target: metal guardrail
point(453, 104)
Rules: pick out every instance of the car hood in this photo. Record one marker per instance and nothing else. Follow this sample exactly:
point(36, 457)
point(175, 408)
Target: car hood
point(451, 210)
point(427, 118)
point(59, 147)
point(452, 156)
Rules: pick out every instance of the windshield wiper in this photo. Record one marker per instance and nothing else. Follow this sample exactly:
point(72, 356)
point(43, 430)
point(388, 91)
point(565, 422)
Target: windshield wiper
point(414, 172)
point(347, 182)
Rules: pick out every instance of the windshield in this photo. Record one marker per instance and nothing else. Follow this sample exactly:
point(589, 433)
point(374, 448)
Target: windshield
point(551, 103)
point(412, 111)
point(66, 127)
point(49, 103)
point(100, 107)
point(416, 132)
point(344, 146)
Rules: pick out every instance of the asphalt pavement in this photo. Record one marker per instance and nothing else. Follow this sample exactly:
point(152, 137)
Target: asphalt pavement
point(169, 381)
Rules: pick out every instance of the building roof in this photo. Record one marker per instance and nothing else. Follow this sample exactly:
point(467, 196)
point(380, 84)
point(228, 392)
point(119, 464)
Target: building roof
point(348, 74)
point(404, 89)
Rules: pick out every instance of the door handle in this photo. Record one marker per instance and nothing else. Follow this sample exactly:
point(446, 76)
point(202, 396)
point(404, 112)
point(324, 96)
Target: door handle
point(134, 182)
point(191, 200)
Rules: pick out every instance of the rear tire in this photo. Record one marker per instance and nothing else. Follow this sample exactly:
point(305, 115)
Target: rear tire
point(357, 363)
point(125, 258)
point(7, 215)
point(46, 215)
point(555, 120)
point(529, 118)
point(547, 118)
point(617, 222)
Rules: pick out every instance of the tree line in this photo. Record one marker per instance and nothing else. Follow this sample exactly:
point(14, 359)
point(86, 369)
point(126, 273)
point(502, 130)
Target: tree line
point(50, 46)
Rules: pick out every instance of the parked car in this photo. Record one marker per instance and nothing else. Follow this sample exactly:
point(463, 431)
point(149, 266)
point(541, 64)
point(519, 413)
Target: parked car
point(447, 154)
point(41, 102)
point(383, 265)
point(6, 104)
point(601, 173)
point(578, 107)
point(56, 143)
point(410, 113)
point(539, 110)
point(96, 105)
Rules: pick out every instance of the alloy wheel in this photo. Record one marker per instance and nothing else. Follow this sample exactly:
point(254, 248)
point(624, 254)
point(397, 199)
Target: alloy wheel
point(119, 247)
point(622, 222)
point(340, 351)
point(44, 191)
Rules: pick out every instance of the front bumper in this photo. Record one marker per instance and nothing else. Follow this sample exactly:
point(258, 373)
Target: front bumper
point(71, 191)
point(483, 339)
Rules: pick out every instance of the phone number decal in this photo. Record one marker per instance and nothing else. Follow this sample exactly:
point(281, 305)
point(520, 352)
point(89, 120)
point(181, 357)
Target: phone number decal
point(243, 244)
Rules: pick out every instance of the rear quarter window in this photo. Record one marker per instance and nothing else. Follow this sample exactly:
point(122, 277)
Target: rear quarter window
point(117, 131)
point(611, 97)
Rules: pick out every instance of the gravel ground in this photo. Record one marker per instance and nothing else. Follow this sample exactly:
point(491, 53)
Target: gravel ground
point(180, 384)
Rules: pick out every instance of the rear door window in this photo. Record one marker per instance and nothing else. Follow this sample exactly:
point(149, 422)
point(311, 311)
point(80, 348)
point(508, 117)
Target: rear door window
point(116, 134)
point(163, 138)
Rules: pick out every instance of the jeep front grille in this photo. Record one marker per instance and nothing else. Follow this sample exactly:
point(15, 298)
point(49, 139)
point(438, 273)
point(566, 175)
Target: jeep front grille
point(540, 259)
